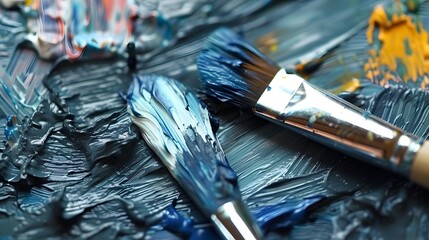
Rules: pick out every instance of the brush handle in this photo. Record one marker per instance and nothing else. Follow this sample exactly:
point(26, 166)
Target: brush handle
point(420, 166)
point(293, 102)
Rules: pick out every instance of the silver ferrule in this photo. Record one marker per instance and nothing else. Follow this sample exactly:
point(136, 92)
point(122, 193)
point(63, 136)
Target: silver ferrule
point(293, 102)
point(233, 221)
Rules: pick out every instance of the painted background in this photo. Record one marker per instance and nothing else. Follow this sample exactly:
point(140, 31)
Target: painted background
point(73, 166)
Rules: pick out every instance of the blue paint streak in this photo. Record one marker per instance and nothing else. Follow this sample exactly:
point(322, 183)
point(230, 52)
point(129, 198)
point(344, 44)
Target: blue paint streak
point(176, 223)
point(270, 218)
point(194, 155)
point(166, 28)
point(185, 227)
point(224, 67)
point(11, 130)
point(284, 215)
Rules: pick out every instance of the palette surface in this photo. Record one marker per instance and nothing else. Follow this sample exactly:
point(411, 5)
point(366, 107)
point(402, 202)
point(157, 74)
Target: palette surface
point(73, 165)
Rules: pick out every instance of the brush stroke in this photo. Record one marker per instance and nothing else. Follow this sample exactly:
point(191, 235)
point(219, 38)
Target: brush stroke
point(372, 203)
point(177, 128)
point(77, 29)
point(399, 44)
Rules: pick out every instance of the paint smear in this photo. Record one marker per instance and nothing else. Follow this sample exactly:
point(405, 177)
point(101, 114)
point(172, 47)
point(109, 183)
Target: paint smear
point(67, 28)
point(400, 47)
point(80, 171)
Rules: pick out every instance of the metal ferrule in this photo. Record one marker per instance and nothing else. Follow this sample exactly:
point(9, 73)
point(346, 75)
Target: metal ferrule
point(293, 102)
point(234, 221)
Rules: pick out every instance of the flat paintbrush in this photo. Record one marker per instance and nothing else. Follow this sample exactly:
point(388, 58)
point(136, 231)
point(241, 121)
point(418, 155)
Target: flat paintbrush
point(234, 70)
point(177, 127)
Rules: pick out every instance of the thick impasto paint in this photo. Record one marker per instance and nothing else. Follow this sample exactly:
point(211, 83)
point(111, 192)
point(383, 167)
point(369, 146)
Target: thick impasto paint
point(74, 166)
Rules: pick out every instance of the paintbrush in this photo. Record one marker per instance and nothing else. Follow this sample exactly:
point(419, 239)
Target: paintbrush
point(234, 70)
point(177, 127)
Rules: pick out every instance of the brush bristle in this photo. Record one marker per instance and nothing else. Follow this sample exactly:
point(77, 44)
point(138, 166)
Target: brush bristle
point(233, 69)
point(176, 126)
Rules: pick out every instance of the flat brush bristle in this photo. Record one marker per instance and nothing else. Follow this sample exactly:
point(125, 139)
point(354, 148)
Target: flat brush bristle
point(234, 70)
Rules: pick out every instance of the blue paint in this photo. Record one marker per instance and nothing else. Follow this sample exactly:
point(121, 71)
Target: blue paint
point(284, 215)
point(152, 31)
point(228, 63)
point(270, 218)
point(176, 125)
point(11, 130)
point(187, 145)
point(366, 114)
point(14, 102)
point(176, 223)
point(185, 227)
point(166, 29)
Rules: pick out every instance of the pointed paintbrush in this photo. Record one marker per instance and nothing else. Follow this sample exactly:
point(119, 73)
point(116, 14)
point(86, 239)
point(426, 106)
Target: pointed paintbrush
point(176, 125)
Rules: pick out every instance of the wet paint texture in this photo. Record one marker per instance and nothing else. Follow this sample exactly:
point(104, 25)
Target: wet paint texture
point(270, 218)
point(185, 227)
point(400, 45)
point(284, 215)
point(228, 62)
point(92, 176)
point(176, 125)
point(78, 29)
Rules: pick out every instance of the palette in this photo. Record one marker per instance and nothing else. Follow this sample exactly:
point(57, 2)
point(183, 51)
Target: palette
point(74, 166)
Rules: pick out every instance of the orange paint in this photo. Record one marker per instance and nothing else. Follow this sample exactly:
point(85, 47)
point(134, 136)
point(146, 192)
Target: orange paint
point(267, 43)
point(108, 9)
point(33, 4)
point(403, 45)
point(352, 85)
point(348, 86)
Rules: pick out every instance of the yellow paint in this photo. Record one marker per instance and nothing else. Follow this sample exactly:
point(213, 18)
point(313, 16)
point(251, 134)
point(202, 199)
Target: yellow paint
point(370, 136)
point(33, 4)
point(412, 5)
point(267, 43)
point(402, 41)
point(349, 86)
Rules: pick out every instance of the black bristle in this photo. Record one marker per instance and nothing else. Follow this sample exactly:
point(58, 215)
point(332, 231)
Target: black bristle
point(234, 70)
point(132, 58)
